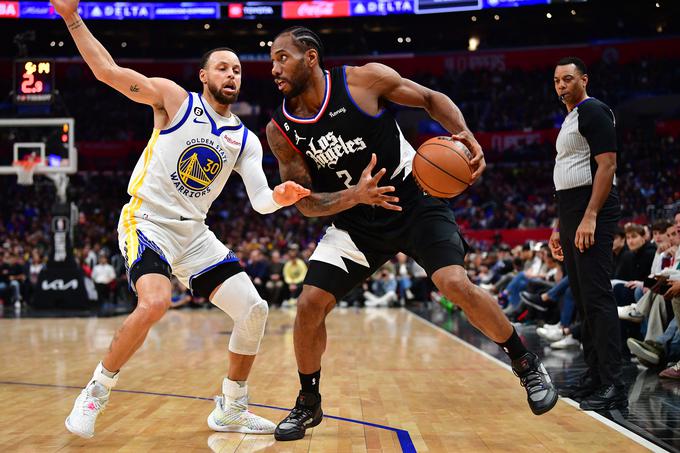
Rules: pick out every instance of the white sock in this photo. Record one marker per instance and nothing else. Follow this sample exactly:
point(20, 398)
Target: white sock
point(234, 390)
point(102, 383)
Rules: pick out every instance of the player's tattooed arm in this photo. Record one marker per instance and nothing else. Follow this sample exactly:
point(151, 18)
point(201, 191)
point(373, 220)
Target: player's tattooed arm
point(292, 167)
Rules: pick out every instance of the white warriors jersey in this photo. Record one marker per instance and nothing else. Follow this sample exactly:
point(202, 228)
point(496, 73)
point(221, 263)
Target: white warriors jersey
point(185, 166)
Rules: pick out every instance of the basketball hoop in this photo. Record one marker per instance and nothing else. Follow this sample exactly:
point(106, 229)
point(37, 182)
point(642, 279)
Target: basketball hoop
point(25, 169)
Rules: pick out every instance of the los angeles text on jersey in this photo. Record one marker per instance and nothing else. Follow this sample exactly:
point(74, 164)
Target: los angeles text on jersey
point(198, 166)
point(329, 149)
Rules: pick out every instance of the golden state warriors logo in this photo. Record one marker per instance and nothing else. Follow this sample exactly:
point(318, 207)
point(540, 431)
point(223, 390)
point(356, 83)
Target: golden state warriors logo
point(198, 166)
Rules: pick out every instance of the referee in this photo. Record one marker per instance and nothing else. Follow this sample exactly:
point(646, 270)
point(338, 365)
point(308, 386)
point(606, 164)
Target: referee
point(589, 212)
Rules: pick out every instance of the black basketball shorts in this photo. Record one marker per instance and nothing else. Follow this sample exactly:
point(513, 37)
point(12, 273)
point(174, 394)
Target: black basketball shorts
point(427, 232)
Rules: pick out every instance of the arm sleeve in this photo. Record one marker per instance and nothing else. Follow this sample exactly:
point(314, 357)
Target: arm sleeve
point(596, 123)
point(249, 166)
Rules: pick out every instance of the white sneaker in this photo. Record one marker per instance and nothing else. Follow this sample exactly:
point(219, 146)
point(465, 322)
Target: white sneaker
point(90, 403)
point(87, 407)
point(630, 313)
point(565, 343)
point(554, 334)
point(487, 287)
point(557, 325)
point(233, 416)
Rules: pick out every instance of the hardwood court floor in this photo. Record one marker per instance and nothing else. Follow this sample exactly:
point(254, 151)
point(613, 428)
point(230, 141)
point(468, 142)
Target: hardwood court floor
point(382, 367)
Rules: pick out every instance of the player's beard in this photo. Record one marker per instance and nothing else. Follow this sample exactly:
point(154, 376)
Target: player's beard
point(298, 82)
point(220, 97)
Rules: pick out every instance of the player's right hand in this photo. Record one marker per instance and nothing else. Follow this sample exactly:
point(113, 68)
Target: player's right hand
point(65, 7)
point(368, 192)
point(555, 246)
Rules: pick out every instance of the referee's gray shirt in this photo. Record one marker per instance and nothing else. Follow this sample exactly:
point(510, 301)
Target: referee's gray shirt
point(588, 130)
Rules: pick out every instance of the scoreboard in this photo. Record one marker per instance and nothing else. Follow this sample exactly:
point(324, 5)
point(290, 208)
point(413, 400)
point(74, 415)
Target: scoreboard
point(33, 81)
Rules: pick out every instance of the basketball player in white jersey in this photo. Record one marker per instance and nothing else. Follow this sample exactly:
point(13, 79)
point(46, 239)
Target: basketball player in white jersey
point(195, 145)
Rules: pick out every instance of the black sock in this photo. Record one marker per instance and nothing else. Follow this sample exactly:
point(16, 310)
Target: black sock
point(310, 382)
point(513, 346)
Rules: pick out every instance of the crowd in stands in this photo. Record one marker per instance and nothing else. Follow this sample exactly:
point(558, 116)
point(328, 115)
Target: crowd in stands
point(532, 288)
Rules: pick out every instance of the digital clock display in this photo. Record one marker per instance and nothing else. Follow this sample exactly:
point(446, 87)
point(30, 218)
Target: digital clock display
point(33, 81)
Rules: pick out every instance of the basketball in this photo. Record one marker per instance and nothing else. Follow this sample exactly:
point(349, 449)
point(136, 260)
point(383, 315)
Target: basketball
point(442, 168)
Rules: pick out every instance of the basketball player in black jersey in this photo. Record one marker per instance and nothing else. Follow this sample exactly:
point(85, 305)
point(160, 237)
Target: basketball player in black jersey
point(328, 135)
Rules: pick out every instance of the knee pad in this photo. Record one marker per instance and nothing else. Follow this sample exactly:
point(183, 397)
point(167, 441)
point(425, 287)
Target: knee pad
point(238, 298)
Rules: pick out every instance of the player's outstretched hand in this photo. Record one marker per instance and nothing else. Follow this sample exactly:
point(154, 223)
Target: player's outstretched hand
point(368, 192)
point(65, 7)
point(289, 193)
point(477, 162)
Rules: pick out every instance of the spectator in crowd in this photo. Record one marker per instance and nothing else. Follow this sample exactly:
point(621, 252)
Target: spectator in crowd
point(294, 271)
point(383, 289)
point(16, 277)
point(257, 269)
point(275, 287)
point(403, 276)
point(104, 276)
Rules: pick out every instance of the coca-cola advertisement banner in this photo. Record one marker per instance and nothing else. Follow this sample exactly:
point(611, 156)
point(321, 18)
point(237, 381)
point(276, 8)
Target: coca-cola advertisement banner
point(314, 10)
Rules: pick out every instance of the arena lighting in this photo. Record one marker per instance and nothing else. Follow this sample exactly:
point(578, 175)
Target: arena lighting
point(262, 43)
point(52, 44)
point(573, 12)
point(259, 26)
point(61, 43)
point(400, 40)
point(473, 18)
point(123, 44)
point(548, 15)
point(206, 26)
point(473, 43)
point(407, 39)
point(496, 17)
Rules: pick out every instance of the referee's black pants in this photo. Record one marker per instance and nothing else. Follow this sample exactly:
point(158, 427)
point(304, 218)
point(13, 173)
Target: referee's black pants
point(590, 275)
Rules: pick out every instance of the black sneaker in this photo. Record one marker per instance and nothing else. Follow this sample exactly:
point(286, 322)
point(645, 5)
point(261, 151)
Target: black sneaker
point(307, 413)
point(533, 300)
point(607, 397)
point(584, 387)
point(541, 392)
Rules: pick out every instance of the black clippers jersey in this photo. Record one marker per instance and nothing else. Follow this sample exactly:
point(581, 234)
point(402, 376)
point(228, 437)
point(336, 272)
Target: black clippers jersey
point(337, 145)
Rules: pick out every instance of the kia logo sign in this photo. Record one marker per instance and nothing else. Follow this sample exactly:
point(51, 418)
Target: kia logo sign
point(313, 10)
point(59, 285)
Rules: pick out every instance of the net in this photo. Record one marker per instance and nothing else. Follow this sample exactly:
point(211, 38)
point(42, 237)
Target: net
point(25, 169)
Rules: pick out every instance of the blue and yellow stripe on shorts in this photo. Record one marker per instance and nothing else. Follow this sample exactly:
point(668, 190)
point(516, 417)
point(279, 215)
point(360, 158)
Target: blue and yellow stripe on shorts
point(130, 209)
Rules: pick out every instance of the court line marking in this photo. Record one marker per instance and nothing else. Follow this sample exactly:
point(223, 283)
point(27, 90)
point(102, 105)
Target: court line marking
point(616, 427)
point(402, 435)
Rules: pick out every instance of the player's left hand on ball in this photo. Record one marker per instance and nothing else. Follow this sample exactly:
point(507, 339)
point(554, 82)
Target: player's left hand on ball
point(289, 193)
point(477, 162)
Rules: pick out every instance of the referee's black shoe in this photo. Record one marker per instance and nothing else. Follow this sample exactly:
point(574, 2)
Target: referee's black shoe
point(585, 386)
point(607, 397)
point(307, 413)
point(541, 392)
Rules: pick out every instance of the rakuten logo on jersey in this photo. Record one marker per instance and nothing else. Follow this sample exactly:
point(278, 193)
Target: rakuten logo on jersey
point(329, 149)
point(313, 10)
